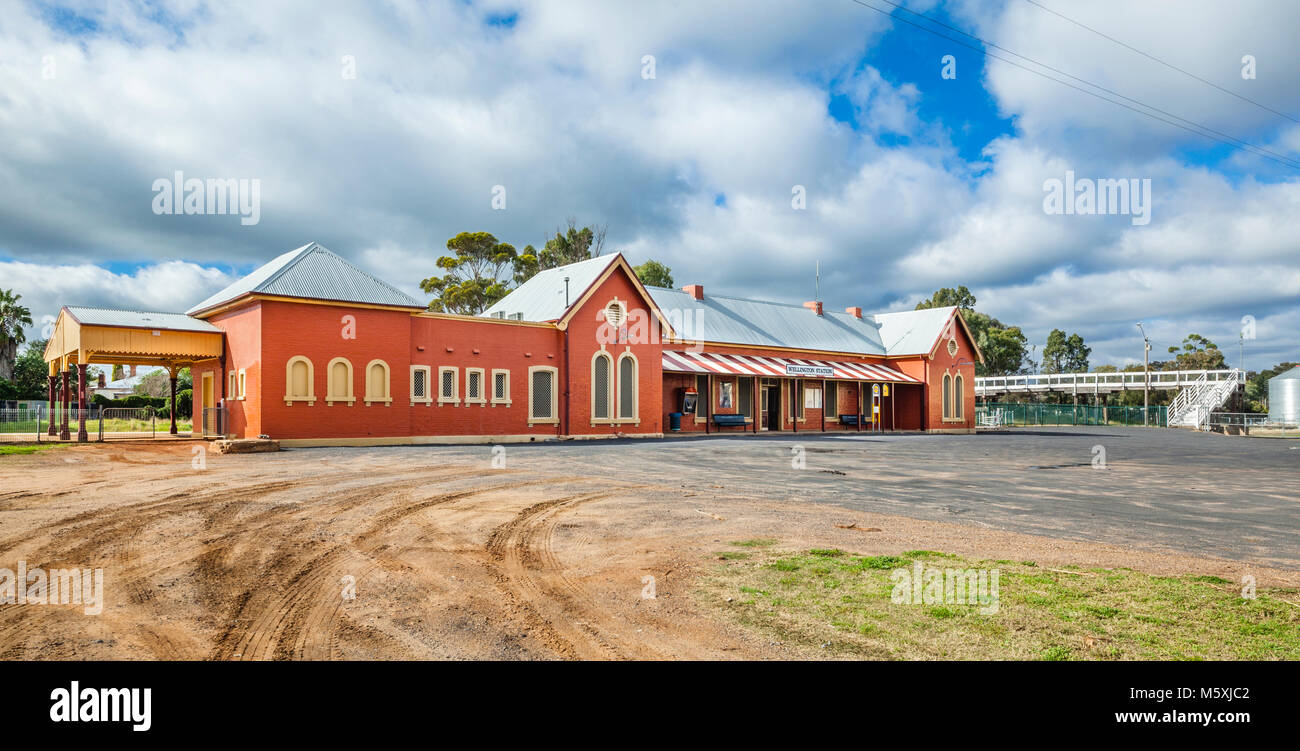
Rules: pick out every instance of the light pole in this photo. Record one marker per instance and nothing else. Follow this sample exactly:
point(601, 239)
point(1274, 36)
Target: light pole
point(1146, 376)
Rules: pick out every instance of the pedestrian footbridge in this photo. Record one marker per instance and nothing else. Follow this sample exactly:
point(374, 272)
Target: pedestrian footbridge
point(1199, 391)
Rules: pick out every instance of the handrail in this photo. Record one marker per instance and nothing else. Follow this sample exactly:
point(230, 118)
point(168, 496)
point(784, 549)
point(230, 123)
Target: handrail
point(1099, 382)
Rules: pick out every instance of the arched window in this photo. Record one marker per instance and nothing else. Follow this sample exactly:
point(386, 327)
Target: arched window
point(338, 384)
point(627, 387)
point(602, 386)
point(957, 397)
point(377, 383)
point(299, 377)
point(947, 396)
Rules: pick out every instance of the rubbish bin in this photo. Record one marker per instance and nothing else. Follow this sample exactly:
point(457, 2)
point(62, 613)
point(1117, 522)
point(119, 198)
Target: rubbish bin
point(675, 422)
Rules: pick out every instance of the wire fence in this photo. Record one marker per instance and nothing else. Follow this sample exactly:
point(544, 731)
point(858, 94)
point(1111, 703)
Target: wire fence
point(1022, 414)
point(100, 421)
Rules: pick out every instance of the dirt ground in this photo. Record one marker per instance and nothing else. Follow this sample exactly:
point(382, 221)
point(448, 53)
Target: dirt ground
point(548, 558)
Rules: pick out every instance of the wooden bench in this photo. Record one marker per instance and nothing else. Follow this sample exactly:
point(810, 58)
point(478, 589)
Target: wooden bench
point(723, 421)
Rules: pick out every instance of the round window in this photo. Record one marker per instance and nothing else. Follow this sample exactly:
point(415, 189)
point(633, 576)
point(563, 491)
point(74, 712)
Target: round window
point(952, 346)
point(614, 313)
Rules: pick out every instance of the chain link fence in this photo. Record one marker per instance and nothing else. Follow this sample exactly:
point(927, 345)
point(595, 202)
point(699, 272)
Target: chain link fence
point(1022, 414)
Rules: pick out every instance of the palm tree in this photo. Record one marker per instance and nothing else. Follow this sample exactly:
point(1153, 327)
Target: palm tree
point(13, 317)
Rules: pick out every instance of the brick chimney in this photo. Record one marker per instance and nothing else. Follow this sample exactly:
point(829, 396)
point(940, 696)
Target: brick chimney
point(854, 311)
point(694, 290)
point(814, 305)
point(132, 371)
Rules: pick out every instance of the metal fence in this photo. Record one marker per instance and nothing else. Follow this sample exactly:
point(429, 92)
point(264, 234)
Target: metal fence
point(130, 420)
point(127, 421)
point(214, 421)
point(1025, 414)
point(36, 420)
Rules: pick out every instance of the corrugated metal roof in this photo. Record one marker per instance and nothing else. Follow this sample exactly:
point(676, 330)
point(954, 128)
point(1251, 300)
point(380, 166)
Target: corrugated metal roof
point(542, 297)
point(141, 319)
point(738, 320)
point(1289, 375)
point(912, 332)
point(313, 272)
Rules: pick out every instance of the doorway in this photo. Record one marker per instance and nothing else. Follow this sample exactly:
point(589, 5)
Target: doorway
point(207, 419)
point(771, 401)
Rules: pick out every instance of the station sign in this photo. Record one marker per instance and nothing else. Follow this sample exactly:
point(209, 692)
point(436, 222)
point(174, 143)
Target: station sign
point(816, 371)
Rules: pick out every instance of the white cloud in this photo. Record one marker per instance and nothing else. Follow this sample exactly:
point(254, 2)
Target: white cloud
point(386, 167)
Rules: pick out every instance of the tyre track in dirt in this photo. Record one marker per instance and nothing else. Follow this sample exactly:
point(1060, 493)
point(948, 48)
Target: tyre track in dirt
point(300, 622)
point(557, 611)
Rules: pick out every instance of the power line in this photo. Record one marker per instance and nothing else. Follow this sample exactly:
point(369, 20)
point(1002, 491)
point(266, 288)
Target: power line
point(1162, 62)
point(1197, 128)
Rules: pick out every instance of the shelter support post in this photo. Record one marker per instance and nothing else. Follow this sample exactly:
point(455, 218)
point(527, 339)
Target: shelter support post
point(81, 403)
point(52, 416)
point(859, 421)
point(64, 434)
point(172, 373)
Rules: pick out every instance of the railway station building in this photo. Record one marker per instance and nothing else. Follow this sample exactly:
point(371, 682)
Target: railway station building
point(311, 350)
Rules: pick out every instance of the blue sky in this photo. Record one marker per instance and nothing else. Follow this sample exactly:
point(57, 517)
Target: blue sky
point(913, 182)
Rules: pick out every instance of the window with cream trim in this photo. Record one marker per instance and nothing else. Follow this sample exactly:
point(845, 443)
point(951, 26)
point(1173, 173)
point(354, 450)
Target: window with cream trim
point(420, 385)
point(338, 382)
point(501, 386)
point(299, 377)
point(543, 402)
point(377, 383)
point(628, 391)
point(474, 386)
point(448, 388)
point(602, 386)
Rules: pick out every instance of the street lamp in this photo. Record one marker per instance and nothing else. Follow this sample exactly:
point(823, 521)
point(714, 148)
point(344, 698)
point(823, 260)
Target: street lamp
point(1146, 376)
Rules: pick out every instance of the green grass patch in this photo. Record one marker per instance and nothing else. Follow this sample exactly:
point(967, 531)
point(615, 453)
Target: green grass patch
point(757, 542)
point(732, 555)
point(27, 448)
point(830, 596)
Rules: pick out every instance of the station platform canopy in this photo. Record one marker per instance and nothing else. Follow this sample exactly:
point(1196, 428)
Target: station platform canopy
point(779, 367)
point(106, 336)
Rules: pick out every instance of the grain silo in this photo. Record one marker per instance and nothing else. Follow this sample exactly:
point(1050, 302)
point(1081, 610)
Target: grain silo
point(1284, 397)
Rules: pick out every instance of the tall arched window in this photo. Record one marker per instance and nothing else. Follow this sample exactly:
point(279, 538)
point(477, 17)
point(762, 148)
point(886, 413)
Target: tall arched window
point(299, 377)
point(338, 384)
point(947, 396)
point(377, 383)
point(627, 387)
point(957, 398)
point(602, 386)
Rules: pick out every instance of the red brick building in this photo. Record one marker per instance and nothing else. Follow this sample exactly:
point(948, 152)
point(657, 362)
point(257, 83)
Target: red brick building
point(317, 352)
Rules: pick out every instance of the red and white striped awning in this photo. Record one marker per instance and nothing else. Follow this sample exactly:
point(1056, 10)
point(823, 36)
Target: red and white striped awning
point(784, 367)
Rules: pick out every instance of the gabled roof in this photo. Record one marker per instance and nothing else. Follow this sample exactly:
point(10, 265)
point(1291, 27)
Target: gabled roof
point(138, 319)
point(761, 323)
point(542, 298)
point(312, 272)
point(737, 320)
point(913, 332)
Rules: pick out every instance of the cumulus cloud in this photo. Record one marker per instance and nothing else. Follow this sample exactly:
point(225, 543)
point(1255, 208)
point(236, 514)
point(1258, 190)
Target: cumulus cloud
point(694, 167)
